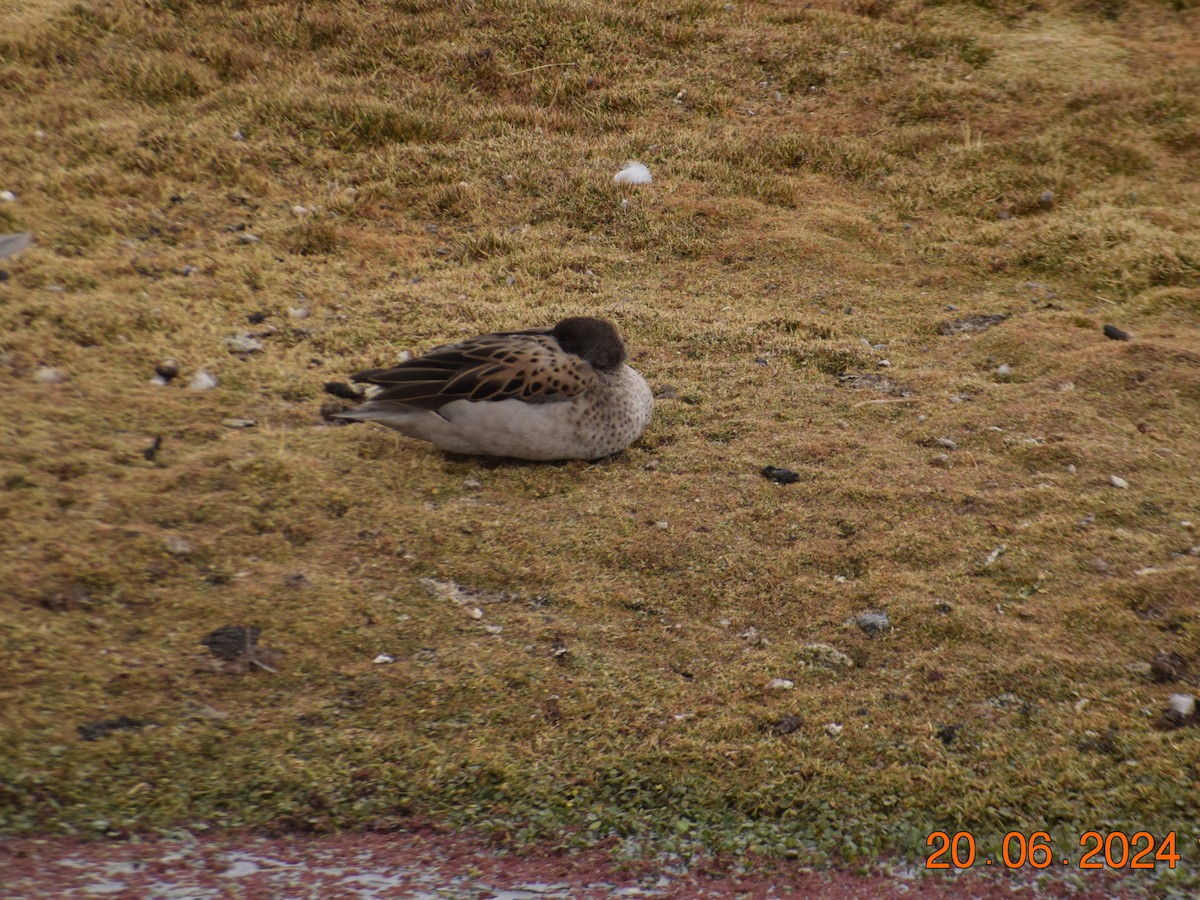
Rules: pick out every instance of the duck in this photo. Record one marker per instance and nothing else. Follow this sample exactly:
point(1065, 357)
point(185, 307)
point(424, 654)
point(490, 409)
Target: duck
point(541, 394)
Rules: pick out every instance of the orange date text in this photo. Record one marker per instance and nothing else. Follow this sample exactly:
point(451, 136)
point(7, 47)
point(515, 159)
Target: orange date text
point(1113, 850)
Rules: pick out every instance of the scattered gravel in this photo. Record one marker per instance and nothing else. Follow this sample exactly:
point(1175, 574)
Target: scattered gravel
point(969, 324)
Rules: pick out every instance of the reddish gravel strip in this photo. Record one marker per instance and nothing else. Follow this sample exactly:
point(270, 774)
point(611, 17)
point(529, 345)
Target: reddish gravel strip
point(425, 865)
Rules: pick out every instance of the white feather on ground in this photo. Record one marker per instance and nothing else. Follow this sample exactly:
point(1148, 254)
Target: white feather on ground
point(633, 173)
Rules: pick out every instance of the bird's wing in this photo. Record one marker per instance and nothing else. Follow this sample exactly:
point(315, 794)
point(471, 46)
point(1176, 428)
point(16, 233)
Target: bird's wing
point(525, 365)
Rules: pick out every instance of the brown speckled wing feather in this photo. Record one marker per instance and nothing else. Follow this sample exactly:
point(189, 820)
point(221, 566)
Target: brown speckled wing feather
point(526, 365)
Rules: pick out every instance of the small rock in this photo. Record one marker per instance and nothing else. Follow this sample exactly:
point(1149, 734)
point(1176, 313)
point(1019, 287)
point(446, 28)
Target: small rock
point(943, 607)
point(885, 363)
point(7, 197)
point(238, 423)
point(298, 312)
point(12, 244)
point(188, 271)
point(940, 460)
point(298, 210)
point(834, 729)
point(167, 369)
point(203, 381)
point(1046, 201)
point(244, 343)
point(947, 734)
point(874, 621)
point(780, 684)
point(945, 443)
point(971, 323)
point(1004, 369)
point(230, 641)
point(93, 731)
point(296, 581)
point(48, 375)
point(238, 136)
point(158, 381)
point(247, 238)
point(1113, 333)
point(494, 629)
point(780, 476)
point(475, 612)
point(1168, 667)
point(256, 318)
point(1118, 482)
point(383, 659)
point(1180, 707)
point(1098, 565)
point(177, 545)
point(786, 725)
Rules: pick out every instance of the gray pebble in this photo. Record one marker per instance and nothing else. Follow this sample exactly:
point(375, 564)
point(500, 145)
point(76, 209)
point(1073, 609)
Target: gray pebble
point(244, 343)
point(49, 375)
point(874, 622)
point(203, 381)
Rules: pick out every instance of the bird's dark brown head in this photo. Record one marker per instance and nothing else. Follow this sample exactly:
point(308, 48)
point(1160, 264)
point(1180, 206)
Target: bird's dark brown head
point(593, 339)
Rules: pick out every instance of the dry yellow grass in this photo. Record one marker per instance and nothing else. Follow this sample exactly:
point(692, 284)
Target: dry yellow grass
point(827, 179)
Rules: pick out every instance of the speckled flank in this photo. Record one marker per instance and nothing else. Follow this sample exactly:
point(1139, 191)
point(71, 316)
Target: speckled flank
point(610, 419)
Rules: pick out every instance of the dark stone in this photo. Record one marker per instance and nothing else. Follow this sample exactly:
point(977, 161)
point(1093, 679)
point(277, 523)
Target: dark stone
point(947, 734)
point(93, 731)
point(256, 318)
point(1168, 667)
point(152, 451)
point(1113, 333)
point(787, 725)
point(780, 476)
point(230, 641)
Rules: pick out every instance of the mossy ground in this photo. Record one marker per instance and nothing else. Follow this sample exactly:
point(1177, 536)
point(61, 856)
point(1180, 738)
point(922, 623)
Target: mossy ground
point(824, 175)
